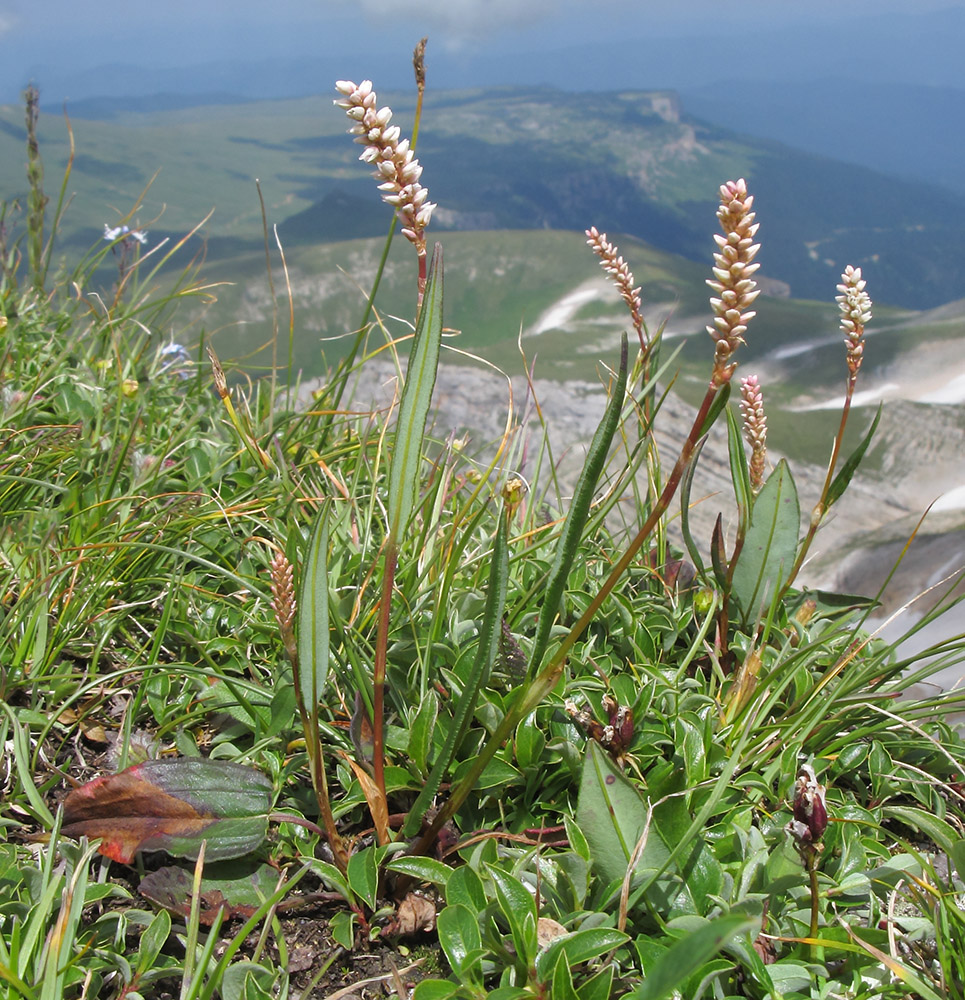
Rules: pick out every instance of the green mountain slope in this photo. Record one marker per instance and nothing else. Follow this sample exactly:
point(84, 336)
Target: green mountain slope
point(631, 163)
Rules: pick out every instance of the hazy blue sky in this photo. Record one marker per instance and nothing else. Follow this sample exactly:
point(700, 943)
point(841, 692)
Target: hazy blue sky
point(68, 45)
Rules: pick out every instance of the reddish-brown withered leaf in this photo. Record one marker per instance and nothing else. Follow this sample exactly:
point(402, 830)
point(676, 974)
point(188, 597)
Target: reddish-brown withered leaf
point(172, 806)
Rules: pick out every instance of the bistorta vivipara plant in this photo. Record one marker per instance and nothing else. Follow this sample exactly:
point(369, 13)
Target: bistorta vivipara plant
point(567, 759)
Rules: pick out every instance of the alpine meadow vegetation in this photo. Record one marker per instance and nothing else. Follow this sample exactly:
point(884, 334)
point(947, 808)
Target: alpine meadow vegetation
point(300, 702)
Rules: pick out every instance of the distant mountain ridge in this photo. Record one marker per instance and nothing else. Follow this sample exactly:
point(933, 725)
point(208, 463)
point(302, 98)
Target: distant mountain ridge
point(632, 162)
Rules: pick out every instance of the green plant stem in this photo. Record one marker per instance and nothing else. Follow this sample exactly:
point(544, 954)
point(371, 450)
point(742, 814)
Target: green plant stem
point(811, 863)
point(820, 508)
point(316, 768)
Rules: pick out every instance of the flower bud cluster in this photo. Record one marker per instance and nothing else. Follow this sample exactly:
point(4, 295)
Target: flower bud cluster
point(855, 305)
point(622, 276)
point(395, 165)
point(755, 428)
point(810, 810)
point(732, 280)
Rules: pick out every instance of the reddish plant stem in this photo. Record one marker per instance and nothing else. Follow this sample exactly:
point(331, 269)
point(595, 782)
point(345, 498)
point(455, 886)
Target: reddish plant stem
point(379, 667)
point(670, 488)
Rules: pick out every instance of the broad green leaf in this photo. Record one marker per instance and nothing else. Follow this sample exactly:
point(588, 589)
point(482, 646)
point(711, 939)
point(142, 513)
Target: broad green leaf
point(173, 806)
point(342, 929)
point(489, 634)
point(461, 941)
point(568, 544)
point(770, 545)
point(424, 869)
point(495, 774)
point(843, 478)
point(687, 955)
point(434, 989)
point(580, 946)
point(313, 638)
point(153, 939)
point(420, 379)
point(466, 888)
point(612, 815)
point(363, 875)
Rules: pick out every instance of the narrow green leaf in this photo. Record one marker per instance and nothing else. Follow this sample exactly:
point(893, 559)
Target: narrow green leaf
point(686, 488)
point(739, 473)
point(720, 401)
point(519, 909)
point(489, 635)
point(687, 955)
point(770, 544)
point(313, 638)
point(420, 379)
point(957, 854)
point(598, 987)
point(843, 478)
point(568, 545)
point(718, 553)
point(420, 731)
point(942, 833)
point(563, 981)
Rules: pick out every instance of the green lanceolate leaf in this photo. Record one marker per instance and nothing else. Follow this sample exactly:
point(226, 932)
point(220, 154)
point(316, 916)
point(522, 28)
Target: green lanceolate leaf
point(612, 815)
point(686, 956)
point(720, 401)
point(519, 909)
point(770, 544)
point(313, 637)
point(686, 487)
point(576, 516)
point(739, 473)
point(489, 635)
point(843, 478)
point(420, 379)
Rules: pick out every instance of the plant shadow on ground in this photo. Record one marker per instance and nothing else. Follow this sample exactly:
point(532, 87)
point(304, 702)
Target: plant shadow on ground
point(391, 715)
